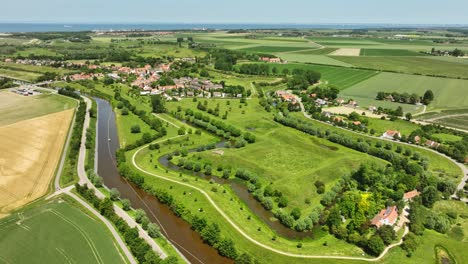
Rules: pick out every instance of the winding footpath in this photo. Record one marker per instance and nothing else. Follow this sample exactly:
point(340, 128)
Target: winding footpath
point(248, 237)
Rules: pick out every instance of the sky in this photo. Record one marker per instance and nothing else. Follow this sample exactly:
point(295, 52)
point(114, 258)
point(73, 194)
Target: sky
point(236, 11)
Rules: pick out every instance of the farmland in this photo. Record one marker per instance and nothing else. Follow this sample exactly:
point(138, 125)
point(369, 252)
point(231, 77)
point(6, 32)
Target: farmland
point(388, 52)
point(410, 64)
point(446, 91)
point(56, 232)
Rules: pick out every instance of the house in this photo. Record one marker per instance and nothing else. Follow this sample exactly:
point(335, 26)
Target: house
point(357, 123)
point(313, 95)
point(390, 134)
point(286, 96)
point(386, 216)
point(327, 114)
point(417, 139)
point(352, 103)
point(8, 60)
point(410, 195)
point(275, 60)
point(389, 98)
point(320, 102)
point(432, 144)
point(337, 119)
point(217, 94)
point(340, 101)
point(372, 108)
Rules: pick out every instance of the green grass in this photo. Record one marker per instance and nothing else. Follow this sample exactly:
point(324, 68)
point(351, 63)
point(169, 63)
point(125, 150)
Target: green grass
point(380, 126)
point(447, 138)
point(281, 151)
point(446, 91)
point(21, 75)
point(389, 52)
point(460, 122)
point(27, 107)
point(272, 49)
point(338, 77)
point(324, 51)
point(311, 58)
point(125, 122)
point(33, 68)
point(414, 65)
point(56, 232)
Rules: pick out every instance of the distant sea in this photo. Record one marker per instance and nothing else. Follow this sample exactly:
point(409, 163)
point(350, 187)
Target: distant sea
point(42, 27)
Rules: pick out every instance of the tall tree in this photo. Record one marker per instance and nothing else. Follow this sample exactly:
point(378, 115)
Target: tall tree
point(158, 103)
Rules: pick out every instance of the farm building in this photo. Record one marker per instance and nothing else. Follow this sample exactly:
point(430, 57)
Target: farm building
point(386, 216)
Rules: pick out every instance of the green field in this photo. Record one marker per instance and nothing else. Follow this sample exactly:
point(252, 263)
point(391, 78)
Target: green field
point(310, 58)
point(460, 122)
point(447, 138)
point(21, 75)
point(381, 126)
point(411, 64)
point(18, 107)
point(56, 232)
point(389, 52)
point(446, 91)
point(124, 127)
point(323, 51)
point(273, 49)
point(338, 77)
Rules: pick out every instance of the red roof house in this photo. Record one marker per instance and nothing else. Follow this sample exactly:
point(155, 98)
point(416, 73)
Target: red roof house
point(410, 195)
point(386, 216)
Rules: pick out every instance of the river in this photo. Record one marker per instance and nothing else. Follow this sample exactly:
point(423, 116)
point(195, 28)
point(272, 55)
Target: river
point(176, 230)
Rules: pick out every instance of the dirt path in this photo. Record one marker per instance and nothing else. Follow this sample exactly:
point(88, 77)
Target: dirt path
point(244, 234)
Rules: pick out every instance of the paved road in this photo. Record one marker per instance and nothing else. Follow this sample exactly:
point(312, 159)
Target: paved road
point(238, 229)
point(462, 167)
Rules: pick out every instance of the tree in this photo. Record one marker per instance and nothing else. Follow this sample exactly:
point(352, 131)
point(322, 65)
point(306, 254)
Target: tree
point(296, 213)
point(409, 116)
point(429, 196)
point(375, 245)
point(399, 111)
point(114, 194)
point(226, 248)
point(135, 129)
point(244, 259)
point(285, 71)
point(153, 230)
point(282, 202)
point(139, 214)
point(387, 233)
point(211, 234)
point(428, 97)
point(158, 103)
point(410, 243)
point(126, 205)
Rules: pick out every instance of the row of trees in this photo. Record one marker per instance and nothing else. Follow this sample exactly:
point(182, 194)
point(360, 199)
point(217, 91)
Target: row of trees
point(138, 246)
point(6, 83)
point(407, 98)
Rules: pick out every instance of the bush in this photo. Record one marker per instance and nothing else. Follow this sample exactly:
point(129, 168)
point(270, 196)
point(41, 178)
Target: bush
point(139, 214)
point(114, 194)
point(126, 205)
point(135, 129)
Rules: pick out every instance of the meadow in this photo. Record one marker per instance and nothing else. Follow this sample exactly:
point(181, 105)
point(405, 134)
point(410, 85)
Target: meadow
point(389, 52)
point(53, 232)
point(338, 77)
point(408, 64)
point(446, 91)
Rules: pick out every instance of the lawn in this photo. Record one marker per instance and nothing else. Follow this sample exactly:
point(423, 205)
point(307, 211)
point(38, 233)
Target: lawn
point(446, 91)
point(56, 232)
point(33, 68)
point(389, 52)
point(323, 51)
point(124, 125)
point(410, 64)
point(380, 126)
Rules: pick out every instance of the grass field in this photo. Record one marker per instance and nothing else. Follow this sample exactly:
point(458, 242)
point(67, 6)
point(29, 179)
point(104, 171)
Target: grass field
point(15, 107)
point(21, 75)
point(281, 151)
point(312, 58)
point(32, 68)
point(447, 138)
point(338, 77)
point(272, 49)
point(324, 51)
point(124, 127)
point(56, 232)
point(446, 91)
point(410, 64)
point(389, 52)
point(460, 122)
